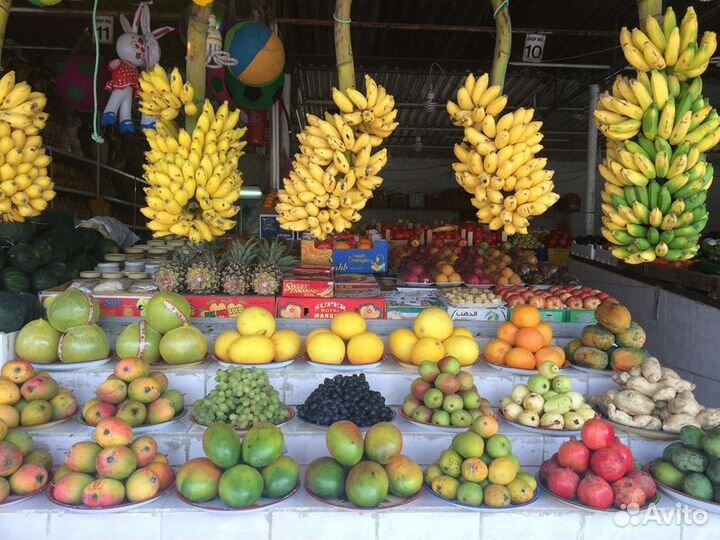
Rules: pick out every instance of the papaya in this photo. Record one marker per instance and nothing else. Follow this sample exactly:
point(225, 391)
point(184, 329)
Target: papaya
point(598, 337)
point(634, 336)
point(222, 445)
point(591, 357)
point(571, 347)
point(613, 317)
point(626, 358)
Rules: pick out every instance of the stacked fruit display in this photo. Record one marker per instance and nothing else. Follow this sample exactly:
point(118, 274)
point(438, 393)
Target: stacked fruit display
point(557, 297)
point(597, 471)
point(659, 127)
point(70, 335)
point(691, 465)
point(25, 187)
point(256, 341)
point(194, 177)
point(497, 162)
point(547, 401)
point(616, 342)
point(239, 267)
point(524, 342)
point(168, 334)
point(347, 338)
point(30, 398)
point(240, 472)
point(432, 338)
point(336, 172)
point(135, 394)
point(113, 470)
point(479, 469)
point(345, 398)
point(364, 471)
point(444, 395)
point(23, 470)
point(472, 296)
point(442, 262)
point(243, 398)
point(498, 266)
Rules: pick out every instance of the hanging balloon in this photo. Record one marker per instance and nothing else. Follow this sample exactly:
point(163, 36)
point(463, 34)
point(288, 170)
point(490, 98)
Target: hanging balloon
point(74, 83)
point(258, 98)
point(259, 52)
point(44, 3)
point(219, 9)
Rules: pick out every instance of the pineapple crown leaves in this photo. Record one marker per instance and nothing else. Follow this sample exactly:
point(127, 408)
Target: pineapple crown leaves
point(241, 252)
point(190, 254)
point(275, 253)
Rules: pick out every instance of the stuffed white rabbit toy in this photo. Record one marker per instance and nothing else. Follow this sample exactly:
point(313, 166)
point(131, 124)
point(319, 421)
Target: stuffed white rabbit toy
point(136, 48)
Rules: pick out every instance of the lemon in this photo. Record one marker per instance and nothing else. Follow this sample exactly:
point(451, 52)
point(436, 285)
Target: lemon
point(365, 348)
point(315, 332)
point(427, 349)
point(288, 345)
point(465, 349)
point(222, 343)
point(433, 323)
point(326, 348)
point(256, 321)
point(401, 342)
point(252, 350)
point(461, 331)
point(348, 324)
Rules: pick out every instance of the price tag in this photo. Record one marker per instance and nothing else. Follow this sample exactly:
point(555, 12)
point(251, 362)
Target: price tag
point(534, 47)
point(105, 29)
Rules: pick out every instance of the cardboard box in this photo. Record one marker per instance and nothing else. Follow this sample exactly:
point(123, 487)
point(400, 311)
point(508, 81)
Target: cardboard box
point(327, 308)
point(362, 261)
point(308, 286)
point(311, 255)
point(492, 313)
point(581, 316)
point(270, 228)
point(548, 315)
point(7, 346)
point(407, 304)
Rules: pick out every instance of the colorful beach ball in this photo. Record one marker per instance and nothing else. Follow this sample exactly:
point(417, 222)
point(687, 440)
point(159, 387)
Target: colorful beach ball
point(259, 52)
point(74, 82)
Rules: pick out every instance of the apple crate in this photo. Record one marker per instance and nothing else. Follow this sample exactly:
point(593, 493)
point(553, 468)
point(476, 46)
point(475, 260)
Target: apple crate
point(580, 316)
point(7, 346)
point(553, 315)
point(487, 312)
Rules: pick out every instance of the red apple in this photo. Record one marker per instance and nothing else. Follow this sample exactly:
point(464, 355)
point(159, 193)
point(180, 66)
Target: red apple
point(591, 302)
point(553, 302)
point(526, 296)
point(564, 296)
point(603, 296)
point(537, 301)
point(612, 300)
point(514, 300)
point(574, 302)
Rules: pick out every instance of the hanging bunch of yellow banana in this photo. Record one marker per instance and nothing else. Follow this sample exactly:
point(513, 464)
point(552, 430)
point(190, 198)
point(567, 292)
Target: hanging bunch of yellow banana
point(164, 96)
point(25, 187)
point(497, 160)
point(193, 178)
point(659, 127)
point(337, 168)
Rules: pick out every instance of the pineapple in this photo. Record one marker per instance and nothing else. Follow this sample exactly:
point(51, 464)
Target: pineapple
point(202, 274)
point(272, 262)
point(170, 276)
point(236, 272)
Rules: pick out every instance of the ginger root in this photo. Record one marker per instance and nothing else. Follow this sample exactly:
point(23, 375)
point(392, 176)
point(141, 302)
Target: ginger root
point(676, 422)
point(684, 403)
point(651, 369)
point(633, 402)
point(709, 418)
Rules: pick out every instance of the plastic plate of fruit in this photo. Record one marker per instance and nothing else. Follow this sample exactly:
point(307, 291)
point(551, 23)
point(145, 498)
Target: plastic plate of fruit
point(59, 366)
point(404, 365)
point(345, 366)
point(577, 504)
point(144, 428)
point(46, 425)
point(519, 371)
point(434, 427)
point(216, 505)
point(268, 366)
point(122, 507)
point(594, 371)
point(390, 501)
point(15, 499)
point(392, 417)
point(288, 419)
point(162, 364)
point(541, 430)
point(485, 507)
point(684, 498)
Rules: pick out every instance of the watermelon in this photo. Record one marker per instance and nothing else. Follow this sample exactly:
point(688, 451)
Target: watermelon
point(11, 318)
point(104, 247)
point(44, 250)
point(24, 256)
point(31, 306)
point(14, 280)
point(62, 271)
point(51, 219)
point(43, 279)
point(14, 233)
point(2, 260)
point(88, 237)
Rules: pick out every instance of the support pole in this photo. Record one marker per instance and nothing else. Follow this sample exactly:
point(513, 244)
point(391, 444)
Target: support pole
point(4, 16)
point(343, 45)
point(503, 41)
point(648, 8)
point(195, 59)
point(592, 149)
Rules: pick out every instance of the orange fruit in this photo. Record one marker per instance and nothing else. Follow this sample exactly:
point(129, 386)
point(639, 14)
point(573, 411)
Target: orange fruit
point(441, 278)
point(525, 316)
point(447, 269)
point(530, 339)
point(552, 353)
point(515, 280)
point(507, 272)
point(546, 330)
point(454, 278)
point(507, 332)
point(518, 357)
point(496, 350)
point(502, 280)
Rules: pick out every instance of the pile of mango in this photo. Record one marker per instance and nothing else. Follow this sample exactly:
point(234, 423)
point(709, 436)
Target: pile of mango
point(23, 470)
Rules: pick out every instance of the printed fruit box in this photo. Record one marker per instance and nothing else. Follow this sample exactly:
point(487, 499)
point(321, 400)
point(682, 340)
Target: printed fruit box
point(549, 315)
point(327, 308)
point(477, 312)
point(362, 261)
point(407, 305)
point(311, 255)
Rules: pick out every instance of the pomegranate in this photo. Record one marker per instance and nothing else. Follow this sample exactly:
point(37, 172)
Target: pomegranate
point(563, 482)
point(625, 454)
point(597, 433)
point(645, 481)
point(628, 492)
point(607, 464)
point(548, 466)
point(594, 491)
point(575, 455)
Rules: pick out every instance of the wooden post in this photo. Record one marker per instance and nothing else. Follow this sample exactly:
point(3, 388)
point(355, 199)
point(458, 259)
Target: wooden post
point(4, 16)
point(648, 8)
point(343, 45)
point(503, 41)
point(195, 60)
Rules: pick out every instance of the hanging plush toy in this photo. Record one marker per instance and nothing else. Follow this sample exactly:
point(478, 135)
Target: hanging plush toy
point(137, 47)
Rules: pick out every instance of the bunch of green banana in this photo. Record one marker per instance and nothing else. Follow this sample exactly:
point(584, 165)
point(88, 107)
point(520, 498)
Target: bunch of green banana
point(497, 162)
point(193, 178)
point(663, 45)
point(25, 187)
point(163, 96)
point(336, 171)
